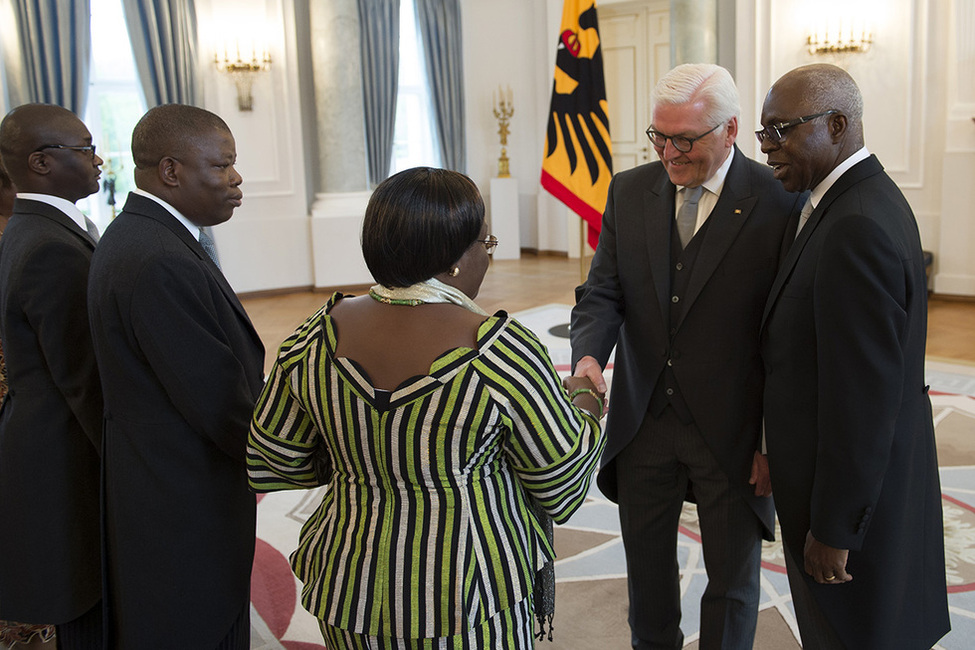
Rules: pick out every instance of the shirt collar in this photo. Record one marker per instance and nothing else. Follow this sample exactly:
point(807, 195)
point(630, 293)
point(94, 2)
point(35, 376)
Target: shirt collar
point(64, 205)
point(820, 190)
point(189, 225)
point(716, 182)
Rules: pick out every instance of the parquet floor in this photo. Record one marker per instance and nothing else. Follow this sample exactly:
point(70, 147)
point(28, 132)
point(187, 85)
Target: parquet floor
point(533, 280)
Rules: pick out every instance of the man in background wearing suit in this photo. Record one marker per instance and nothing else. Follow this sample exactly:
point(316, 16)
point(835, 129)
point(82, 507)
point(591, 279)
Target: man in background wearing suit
point(848, 420)
point(182, 367)
point(682, 299)
point(51, 422)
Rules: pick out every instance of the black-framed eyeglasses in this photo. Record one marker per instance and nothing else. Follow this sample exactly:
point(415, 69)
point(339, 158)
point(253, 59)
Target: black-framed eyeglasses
point(489, 244)
point(88, 148)
point(774, 132)
point(681, 143)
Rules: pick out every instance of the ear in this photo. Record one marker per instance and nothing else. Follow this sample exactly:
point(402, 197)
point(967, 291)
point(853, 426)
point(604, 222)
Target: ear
point(838, 126)
point(169, 171)
point(38, 163)
point(732, 133)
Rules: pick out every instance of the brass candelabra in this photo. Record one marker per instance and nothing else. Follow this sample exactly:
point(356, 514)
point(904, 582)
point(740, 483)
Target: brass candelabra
point(503, 108)
point(243, 71)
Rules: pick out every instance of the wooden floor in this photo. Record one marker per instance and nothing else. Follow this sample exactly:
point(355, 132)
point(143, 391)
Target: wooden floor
point(514, 285)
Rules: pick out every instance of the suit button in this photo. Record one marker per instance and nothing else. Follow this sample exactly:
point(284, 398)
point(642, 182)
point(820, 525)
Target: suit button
point(675, 299)
point(680, 266)
point(670, 391)
point(670, 362)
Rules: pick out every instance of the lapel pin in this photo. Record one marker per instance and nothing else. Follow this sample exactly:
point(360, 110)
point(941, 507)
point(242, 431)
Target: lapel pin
point(737, 211)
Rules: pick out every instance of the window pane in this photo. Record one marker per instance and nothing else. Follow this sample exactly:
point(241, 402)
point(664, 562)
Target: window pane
point(115, 104)
point(414, 142)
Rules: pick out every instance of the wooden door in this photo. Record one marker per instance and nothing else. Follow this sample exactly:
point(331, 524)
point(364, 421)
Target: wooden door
point(635, 38)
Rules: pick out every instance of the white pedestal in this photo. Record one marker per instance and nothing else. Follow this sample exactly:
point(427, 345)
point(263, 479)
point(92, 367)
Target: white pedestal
point(336, 226)
point(505, 221)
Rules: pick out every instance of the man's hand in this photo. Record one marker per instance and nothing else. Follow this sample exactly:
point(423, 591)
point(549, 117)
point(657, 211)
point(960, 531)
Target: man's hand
point(760, 476)
point(827, 565)
point(589, 367)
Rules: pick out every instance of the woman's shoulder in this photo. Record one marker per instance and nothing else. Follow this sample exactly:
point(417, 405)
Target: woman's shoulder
point(315, 330)
point(502, 334)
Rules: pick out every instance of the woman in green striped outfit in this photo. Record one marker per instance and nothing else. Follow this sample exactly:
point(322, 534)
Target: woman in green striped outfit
point(434, 426)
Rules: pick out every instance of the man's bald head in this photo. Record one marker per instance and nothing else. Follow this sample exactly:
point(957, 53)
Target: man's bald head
point(38, 148)
point(823, 87)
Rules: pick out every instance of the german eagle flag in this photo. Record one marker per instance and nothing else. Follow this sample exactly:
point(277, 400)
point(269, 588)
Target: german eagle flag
point(578, 160)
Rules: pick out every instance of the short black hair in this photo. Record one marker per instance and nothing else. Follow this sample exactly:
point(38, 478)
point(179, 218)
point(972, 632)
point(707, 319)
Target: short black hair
point(418, 223)
point(169, 130)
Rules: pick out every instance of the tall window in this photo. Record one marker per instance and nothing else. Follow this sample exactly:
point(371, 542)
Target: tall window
point(115, 104)
point(414, 142)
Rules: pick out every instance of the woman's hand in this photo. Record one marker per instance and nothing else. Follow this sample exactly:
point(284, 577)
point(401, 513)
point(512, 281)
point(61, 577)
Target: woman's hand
point(585, 395)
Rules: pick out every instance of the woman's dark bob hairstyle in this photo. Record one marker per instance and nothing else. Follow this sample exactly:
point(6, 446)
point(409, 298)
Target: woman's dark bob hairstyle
point(418, 223)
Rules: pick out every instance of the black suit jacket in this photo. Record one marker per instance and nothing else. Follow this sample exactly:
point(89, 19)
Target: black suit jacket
point(714, 350)
point(50, 425)
point(848, 420)
point(182, 367)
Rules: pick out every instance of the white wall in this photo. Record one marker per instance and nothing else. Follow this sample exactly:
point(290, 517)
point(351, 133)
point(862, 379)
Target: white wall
point(918, 82)
point(267, 243)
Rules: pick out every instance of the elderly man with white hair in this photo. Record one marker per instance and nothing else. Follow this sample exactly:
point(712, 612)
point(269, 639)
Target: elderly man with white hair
point(689, 247)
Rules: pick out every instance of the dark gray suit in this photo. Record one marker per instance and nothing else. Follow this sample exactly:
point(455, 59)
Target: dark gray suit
point(848, 420)
point(690, 327)
point(50, 425)
point(182, 366)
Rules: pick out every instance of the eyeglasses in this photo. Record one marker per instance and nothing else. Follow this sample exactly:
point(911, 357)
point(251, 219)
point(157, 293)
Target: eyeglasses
point(89, 148)
point(681, 143)
point(774, 132)
point(489, 244)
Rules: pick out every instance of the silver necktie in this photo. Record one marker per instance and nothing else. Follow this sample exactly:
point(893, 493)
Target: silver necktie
point(804, 215)
point(92, 230)
point(207, 243)
point(687, 217)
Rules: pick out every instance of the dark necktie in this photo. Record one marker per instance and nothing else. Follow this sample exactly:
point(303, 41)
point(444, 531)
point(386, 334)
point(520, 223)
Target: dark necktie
point(687, 217)
point(208, 246)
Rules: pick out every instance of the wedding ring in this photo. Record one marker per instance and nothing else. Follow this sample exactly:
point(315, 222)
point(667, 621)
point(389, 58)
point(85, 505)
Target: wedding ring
point(830, 578)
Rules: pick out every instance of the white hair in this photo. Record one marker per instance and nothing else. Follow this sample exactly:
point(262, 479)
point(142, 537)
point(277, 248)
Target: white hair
point(691, 82)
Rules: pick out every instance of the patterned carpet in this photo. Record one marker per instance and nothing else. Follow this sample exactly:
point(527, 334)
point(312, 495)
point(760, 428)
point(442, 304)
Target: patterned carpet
point(591, 574)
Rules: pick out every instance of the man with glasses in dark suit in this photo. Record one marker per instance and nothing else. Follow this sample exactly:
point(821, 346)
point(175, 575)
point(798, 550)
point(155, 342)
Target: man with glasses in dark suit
point(687, 253)
point(848, 420)
point(50, 424)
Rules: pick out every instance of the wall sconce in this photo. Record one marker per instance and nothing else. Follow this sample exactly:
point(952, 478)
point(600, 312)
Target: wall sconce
point(846, 36)
point(242, 71)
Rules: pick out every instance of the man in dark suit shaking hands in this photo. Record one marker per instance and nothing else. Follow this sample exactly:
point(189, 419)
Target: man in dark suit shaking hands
point(182, 367)
point(51, 422)
point(688, 250)
point(848, 420)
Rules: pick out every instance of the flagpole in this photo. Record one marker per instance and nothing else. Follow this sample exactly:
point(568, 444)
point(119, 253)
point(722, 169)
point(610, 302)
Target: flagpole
point(582, 251)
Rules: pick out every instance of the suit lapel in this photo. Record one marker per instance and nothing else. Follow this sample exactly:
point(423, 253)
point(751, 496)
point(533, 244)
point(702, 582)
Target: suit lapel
point(47, 211)
point(658, 206)
point(854, 175)
point(148, 208)
point(725, 221)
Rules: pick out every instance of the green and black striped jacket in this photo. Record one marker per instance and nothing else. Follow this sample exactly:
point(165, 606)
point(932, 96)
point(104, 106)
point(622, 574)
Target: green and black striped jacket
point(426, 529)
